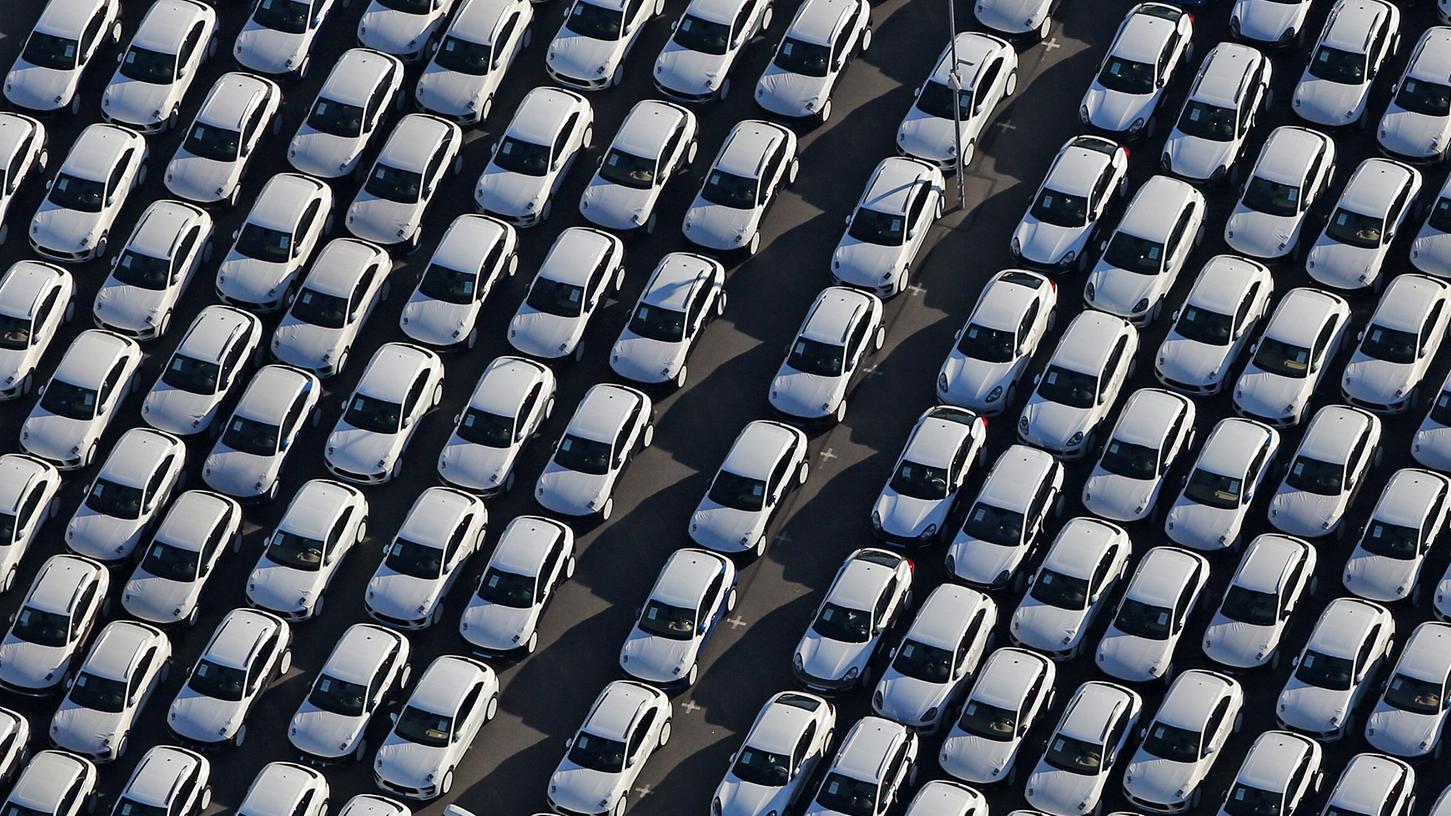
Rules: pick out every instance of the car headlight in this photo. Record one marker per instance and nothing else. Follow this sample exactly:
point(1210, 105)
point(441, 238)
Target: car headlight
point(877, 698)
point(797, 662)
point(876, 519)
point(1023, 424)
point(929, 531)
point(1088, 290)
point(1083, 114)
point(1136, 125)
point(995, 394)
point(1075, 438)
point(1142, 305)
point(851, 673)
point(715, 806)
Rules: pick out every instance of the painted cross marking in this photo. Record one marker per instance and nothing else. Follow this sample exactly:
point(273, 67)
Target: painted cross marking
point(1052, 43)
point(827, 455)
point(736, 622)
point(1006, 125)
point(643, 790)
point(916, 289)
point(690, 707)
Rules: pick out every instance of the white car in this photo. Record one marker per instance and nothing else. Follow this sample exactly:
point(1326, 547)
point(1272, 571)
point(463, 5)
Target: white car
point(692, 595)
point(1012, 689)
point(886, 230)
point(941, 649)
point(1270, 23)
point(1216, 323)
point(403, 28)
point(1075, 392)
point(52, 625)
point(509, 405)
point(867, 597)
point(609, 426)
point(1199, 714)
point(1398, 346)
point(28, 499)
point(248, 652)
point(476, 253)
point(110, 690)
point(705, 44)
point(583, 268)
point(35, 301)
point(73, 223)
point(1376, 202)
point(153, 269)
point(158, 66)
point(873, 767)
point(362, 87)
point(1417, 122)
point(825, 360)
point(1431, 248)
point(766, 461)
point(278, 36)
point(284, 789)
point(1026, 19)
point(127, 496)
point(987, 74)
point(1409, 715)
point(778, 756)
point(1000, 531)
point(332, 304)
point(1209, 512)
point(442, 529)
point(1154, 428)
point(943, 798)
point(1061, 226)
point(683, 295)
point(1151, 44)
point(274, 243)
point(14, 744)
point(1327, 471)
point(1431, 445)
point(47, 73)
point(1358, 37)
point(371, 804)
point(246, 460)
point(1405, 524)
point(1274, 574)
point(1156, 605)
point(365, 668)
point(1225, 98)
point(323, 523)
point(167, 779)
point(533, 556)
point(85, 391)
point(918, 504)
point(550, 129)
point(1092, 732)
point(820, 42)
point(228, 127)
point(655, 143)
point(54, 783)
point(173, 570)
point(473, 56)
point(1142, 258)
point(995, 346)
point(627, 723)
point(1374, 782)
point(420, 154)
point(1305, 333)
point(23, 155)
point(1336, 669)
point(1070, 587)
point(1293, 170)
point(400, 385)
point(589, 50)
point(1280, 771)
point(755, 161)
point(221, 344)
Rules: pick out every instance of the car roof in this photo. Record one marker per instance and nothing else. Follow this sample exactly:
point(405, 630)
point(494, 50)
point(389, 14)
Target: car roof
point(833, 314)
point(542, 113)
point(1231, 445)
point(1352, 23)
point(1088, 340)
point(1224, 73)
point(271, 392)
point(166, 23)
point(23, 284)
point(974, 49)
point(1015, 477)
point(390, 372)
point(1333, 431)
point(97, 150)
point(1427, 653)
point(1223, 281)
point(685, 577)
point(356, 73)
point(1076, 168)
point(937, 435)
point(747, 147)
point(467, 241)
point(945, 615)
point(162, 225)
point(359, 652)
point(191, 518)
point(1148, 415)
point(1155, 208)
point(1407, 301)
point(414, 140)
point(1093, 709)
point(603, 411)
point(236, 638)
point(477, 20)
point(274, 791)
point(90, 356)
point(859, 581)
point(208, 336)
point(816, 21)
point(779, 725)
point(1300, 314)
point(892, 184)
point(715, 11)
point(1272, 758)
point(17, 472)
point(617, 708)
point(1374, 185)
point(233, 96)
point(340, 265)
point(1267, 561)
point(314, 508)
point(868, 748)
point(1162, 573)
point(1079, 545)
point(1342, 626)
point(435, 514)
point(117, 647)
point(1192, 697)
point(66, 18)
point(282, 200)
point(1005, 298)
point(59, 582)
point(647, 127)
point(1143, 36)
point(676, 277)
point(1365, 781)
point(1006, 676)
point(575, 253)
point(1432, 60)
point(1287, 154)
point(525, 542)
point(136, 455)
point(1408, 495)
point(505, 383)
point(46, 777)
point(758, 448)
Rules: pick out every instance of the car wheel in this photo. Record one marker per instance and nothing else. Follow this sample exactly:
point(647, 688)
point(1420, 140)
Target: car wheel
point(841, 411)
point(731, 600)
point(588, 140)
point(766, 20)
point(720, 304)
point(236, 194)
point(362, 531)
point(759, 549)
point(802, 472)
point(578, 351)
point(472, 339)
point(754, 245)
point(792, 170)
point(1012, 84)
point(619, 282)
point(316, 611)
point(492, 709)
point(548, 409)
point(486, 108)
point(192, 618)
point(532, 643)
point(647, 437)
point(569, 568)
point(544, 213)
point(866, 42)
point(164, 324)
point(649, 227)
point(969, 152)
point(619, 808)
point(302, 69)
point(447, 784)
point(206, 800)
point(437, 395)
point(608, 508)
point(337, 369)
point(90, 455)
point(75, 106)
point(724, 90)
point(397, 470)
point(285, 664)
point(101, 244)
point(664, 734)
point(879, 339)
point(680, 376)
point(618, 76)
point(410, 246)
point(692, 675)
point(115, 32)
point(360, 750)
point(1046, 27)
point(825, 113)
point(239, 737)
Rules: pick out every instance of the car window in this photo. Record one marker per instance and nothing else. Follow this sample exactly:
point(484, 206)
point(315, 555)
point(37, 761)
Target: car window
point(435, 165)
point(1362, 656)
point(1313, 171)
point(456, 540)
point(1111, 366)
point(1428, 328)
point(843, 39)
point(153, 485)
point(693, 311)
point(1040, 497)
point(113, 182)
point(642, 728)
point(1176, 237)
point(597, 277)
point(671, 143)
point(742, 17)
point(1355, 454)
point(93, 30)
point(253, 124)
point(360, 290)
point(183, 252)
point(415, 391)
point(501, 39)
point(1100, 192)
point(304, 224)
point(215, 539)
point(335, 535)
point(1428, 525)
point(188, 46)
point(919, 202)
point(294, 413)
point(1216, 719)
point(563, 138)
point(139, 671)
point(112, 380)
point(702, 614)
point(622, 437)
point(1242, 313)
point(43, 311)
point(303, 804)
point(466, 706)
point(1100, 573)
point(985, 83)
point(83, 609)
point(1170, 44)
point(884, 602)
point(857, 339)
point(778, 475)
point(27, 510)
point(803, 745)
point(959, 460)
point(233, 362)
point(1322, 340)
point(1030, 316)
point(768, 170)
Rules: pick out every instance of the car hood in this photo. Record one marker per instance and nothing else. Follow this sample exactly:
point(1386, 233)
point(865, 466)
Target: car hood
point(494, 626)
point(250, 279)
point(1119, 498)
point(1379, 578)
point(1201, 526)
point(1336, 264)
point(570, 491)
point(1009, 15)
point(1265, 21)
point(129, 100)
point(1326, 102)
point(1157, 779)
point(656, 659)
point(380, 220)
point(980, 561)
point(65, 229)
point(399, 596)
point(802, 394)
point(1261, 234)
point(1265, 394)
point(437, 322)
point(974, 759)
point(408, 763)
point(303, 344)
point(1377, 381)
point(1413, 134)
point(102, 537)
point(1310, 708)
point(474, 466)
point(1431, 251)
point(689, 72)
point(615, 206)
point(322, 154)
point(859, 263)
point(1302, 513)
point(906, 516)
point(84, 730)
point(36, 87)
point(52, 436)
point(1431, 446)
point(1116, 110)
point(509, 193)
point(1402, 733)
point(541, 334)
point(1235, 643)
point(725, 528)
point(267, 50)
point(176, 411)
point(1042, 626)
point(1044, 243)
point(155, 599)
point(717, 226)
point(740, 798)
point(970, 380)
point(1197, 158)
point(1190, 361)
point(930, 137)
point(788, 94)
point(392, 31)
point(449, 92)
point(201, 718)
point(1132, 658)
point(1060, 791)
point(237, 473)
point(1054, 423)
point(581, 789)
point(127, 307)
point(197, 178)
point(25, 665)
point(581, 57)
point(829, 659)
point(907, 699)
point(645, 360)
point(277, 587)
point(359, 450)
point(319, 732)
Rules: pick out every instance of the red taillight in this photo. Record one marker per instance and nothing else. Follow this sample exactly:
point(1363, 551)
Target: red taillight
point(984, 424)
point(1191, 19)
point(1053, 284)
point(910, 566)
point(1127, 153)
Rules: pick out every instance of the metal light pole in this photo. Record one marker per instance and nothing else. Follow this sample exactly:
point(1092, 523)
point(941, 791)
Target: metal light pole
point(955, 83)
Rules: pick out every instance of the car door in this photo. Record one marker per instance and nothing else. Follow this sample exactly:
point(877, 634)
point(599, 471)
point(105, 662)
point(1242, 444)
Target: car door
point(636, 751)
point(467, 720)
point(413, 402)
point(212, 548)
point(302, 235)
point(156, 486)
point(140, 685)
point(117, 180)
point(712, 604)
point(91, 36)
point(801, 757)
point(562, 150)
point(336, 545)
point(987, 92)
point(83, 618)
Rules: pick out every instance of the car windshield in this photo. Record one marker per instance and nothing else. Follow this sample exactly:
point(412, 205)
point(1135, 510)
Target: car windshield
point(1060, 209)
point(298, 552)
point(797, 57)
point(1074, 755)
point(873, 227)
point(628, 170)
point(48, 51)
point(143, 271)
point(403, 186)
point(1248, 606)
point(264, 243)
point(1440, 219)
point(814, 357)
point(989, 345)
point(77, 193)
point(1129, 460)
point(1335, 65)
point(519, 156)
point(1392, 541)
point(1143, 620)
point(250, 436)
point(1278, 357)
point(145, 65)
point(448, 285)
point(1204, 121)
point(14, 332)
point(1133, 254)
point(406, 6)
point(1272, 197)
point(1316, 476)
point(423, 727)
point(338, 696)
point(920, 481)
point(994, 525)
point(1413, 695)
point(664, 620)
point(414, 559)
point(41, 628)
point(7, 528)
point(1391, 345)
point(1172, 743)
point(327, 311)
point(702, 35)
point(595, 22)
point(287, 16)
point(369, 414)
point(483, 428)
point(336, 118)
point(192, 375)
point(1072, 388)
point(583, 455)
point(1355, 229)
point(1244, 800)
point(1427, 98)
point(1324, 671)
point(556, 297)
point(98, 693)
point(597, 753)
point(1204, 326)
point(70, 401)
point(988, 721)
point(729, 190)
point(840, 623)
point(217, 681)
point(762, 767)
point(1213, 489)
point(737, 492)
point(1126, 76)
point(853, 797)
point(920, 661)
point(1062, 591)
point(117, 500)
point(217, 144)
point(655, 323)
point(506, 589)
point(936, 101)
point(171, 563)
point(464, 56)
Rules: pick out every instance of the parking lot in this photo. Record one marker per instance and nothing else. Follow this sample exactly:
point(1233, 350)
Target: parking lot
point(545, 695)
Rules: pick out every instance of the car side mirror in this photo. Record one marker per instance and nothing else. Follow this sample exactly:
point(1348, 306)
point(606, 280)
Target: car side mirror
point(1159, 83)
point(456, 418)
point(1103, 245)
point(847, 220)
point(1038, 378)
point(121, 57)
point(407, 421)
point(344, 404)
point(393, 716)
point(48, 183)
point(110, 200)
point(1210, 749)
point(1295, 662)
point(1254, 349)
point(957, 335)
point(236, 233)
point(428, 191)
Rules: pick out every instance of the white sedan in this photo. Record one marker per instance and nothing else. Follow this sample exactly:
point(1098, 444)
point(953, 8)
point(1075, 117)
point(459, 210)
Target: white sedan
point(1092, 732)
point(1411, 712)
point(1302, 338)
point(1209, 512)
point(1208, 333)
point(94, 376)
point(1376, 202)
point(475, 254)
point(1336, 669)
point(153, 269)
point(707, 41)
point(35, 301)
point(1396, 349)
point(533, 556)
point(755, 161)
point(345, 284)
point(1274, 573)
point(1012, 689)
point(167, 584)
point(1075, 392)
point(278, 35)
point(941, 649)
point(28, 490)
point(403, 28)
point(1294, 169)
point(420, 154)
point(106, 163)
point(1155, 608)
point(693, 594)
point(110, 690)
point(1142, 258)
point(987, 74)
point(366, 666)
point(252, 447)
point(779, 754)
point(47, 73)
point(219, 347)
point(1070, 587)
point(1405, 524)
point(589, 50)
point(285, 224)
point(1417, 122)
point(1200, 713)
point(1358, 38)
point(227, 129)
point(609, 426)
point(473, 56)
point(918, 504)
point(361, 89)
point(1060, 227)
point(766, 461)
point(584, 266)
point(551, 128)
point(888, 227)
point(1150, 45)
point(158, 66)
point(435, 728)
point(655, 143)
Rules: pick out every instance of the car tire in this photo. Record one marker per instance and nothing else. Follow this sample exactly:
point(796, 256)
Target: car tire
point(792, 170)
point(754, 245)
point(1011, 86)
point(607, 509)
point(823, 115)
point(578, 354)
point(8, 581)
point(720, 304)
point(759, 548)
point(866, 41)
point(360, 750)
point(766, 18)
point(447, 784)
point(316, 613)
point(569, 568)
point(1045, 28)
point(206, 799)
point(664, 734)
point(619, 808)
point(548, 410)
point(362, 531)
point(879, 339)
point(531, 643)
point(192, 618)
point(301, 72)
point(692, 675)
point(544, 213)
point(724, 90)
point(587, 141)
point(396, 470)
point(731, 599)
point(437, 395)
point(969, 152)
point(101, 243)
point(802, 473)
point(472, 339)
point(491, 709)
point(240, 737)
point(618, 76)
point(647, 437)
point(841, 411)
point(680, 377)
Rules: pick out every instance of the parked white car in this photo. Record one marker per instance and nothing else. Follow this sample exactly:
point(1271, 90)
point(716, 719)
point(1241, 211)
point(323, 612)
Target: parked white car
point(167, 584)
point(322, 524)
point(96, 373)
point(155, 71)
point(246, 460)
point(14, 739)
point(28, 499)
point(1223, 102)
point(886, 230)
point(286, 788)
point(1431, 445)
point(1142, 257)
point(275, 242)
point(228, 127)
point(1280, 769)
point(23, 154)
point(332, 304)
point(1417, 122)
point(705, 44)
point(692, 595)
point(588, 51)
point(1304, 335)
point(509, 405)
point(473, 56)
point(47, 73)
point(1294, 169)
point(1375, 203)
point(1395, 350)
point(400, 385)
point(766, 461)
point(1327, 471)
point(1061, 226)
point(584, 267)
point(533, 556)
point(1092, 732)
point(73, 223)
point(1431, 248)
point(219, 346)
point(941, 649)
point(918, 504)
point(609, 426)
point(443, 528)
point(1371, 781)
point(1411, 712)
point(52, 625)
point(1070, 587)
point(1012, 689)
point(1269, 23)
point(420, 154)
point(755, 161)
point(987, 74)
point(403, 28)
point(1000, 531)
point(683, 295)
point(367, 666)
point(1154, 428)
point(362, 87)
point(820, 42)
point(866, 598)
point(627, 723)
point(35, 300)
point(825, 359)
point(54, 783)
point(1200, 712)
point(169, 779)
point(127, 496)
point(1405, 524)
point(1163, 592)
point(1208, 333)
point(1151, 44)
point(247, 653)
point(1336, 668)
point(1358, 37)
point(996, 344)
point(278, 35)
point(551, 127)
point(778, 756)
point(655, 143)
point(474, 255)
point(1274, 573)
point(1075, 392)
point(873, 767)
point(1025, 19)
point(110, 690)
point(153, 269)
point(1209, 512)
